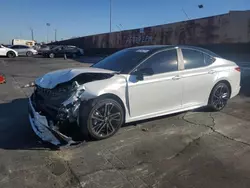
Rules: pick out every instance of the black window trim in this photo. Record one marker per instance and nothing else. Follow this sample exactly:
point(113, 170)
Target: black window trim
point(163, 50)
point(197, 50)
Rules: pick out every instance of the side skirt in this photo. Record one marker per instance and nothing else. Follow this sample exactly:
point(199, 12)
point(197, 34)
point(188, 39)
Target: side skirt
point(158, 114)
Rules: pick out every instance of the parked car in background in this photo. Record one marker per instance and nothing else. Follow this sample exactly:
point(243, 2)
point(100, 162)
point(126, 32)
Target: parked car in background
point(44, 48)
point(5, 51)
point(130, 85)
point(60, 51)
point(24, 50)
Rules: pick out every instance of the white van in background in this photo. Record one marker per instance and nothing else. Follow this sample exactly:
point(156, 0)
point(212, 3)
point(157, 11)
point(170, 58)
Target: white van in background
point(30, 43)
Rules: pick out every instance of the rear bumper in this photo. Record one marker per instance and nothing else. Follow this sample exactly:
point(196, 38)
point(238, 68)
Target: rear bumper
point(45, 130)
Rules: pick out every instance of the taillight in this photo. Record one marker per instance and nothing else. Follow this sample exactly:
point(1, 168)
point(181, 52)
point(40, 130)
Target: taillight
point(237, 69)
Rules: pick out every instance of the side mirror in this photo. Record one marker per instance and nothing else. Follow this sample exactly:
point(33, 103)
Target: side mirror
point(143, 72)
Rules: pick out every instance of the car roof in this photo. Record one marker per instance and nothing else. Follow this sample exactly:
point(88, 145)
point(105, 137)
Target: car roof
point(155, 48)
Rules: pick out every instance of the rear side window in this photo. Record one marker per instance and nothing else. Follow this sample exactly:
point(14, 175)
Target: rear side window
point(193, 59)
point(162, 62)
point(208, 59)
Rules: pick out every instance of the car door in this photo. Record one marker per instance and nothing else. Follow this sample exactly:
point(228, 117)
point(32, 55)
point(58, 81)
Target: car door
point(17, 49)
point(198, 77)
point(22, 50)
point(61, 51)
point(157, 93)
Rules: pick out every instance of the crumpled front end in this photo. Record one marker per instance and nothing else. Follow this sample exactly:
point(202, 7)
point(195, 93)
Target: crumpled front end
point(56, 100)
point(49, 109)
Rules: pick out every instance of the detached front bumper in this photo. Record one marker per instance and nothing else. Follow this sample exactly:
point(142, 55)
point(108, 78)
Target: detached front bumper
point(45, 130)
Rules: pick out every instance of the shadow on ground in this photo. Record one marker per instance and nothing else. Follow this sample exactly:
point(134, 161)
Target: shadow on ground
point(15, 129)
point(16, 132)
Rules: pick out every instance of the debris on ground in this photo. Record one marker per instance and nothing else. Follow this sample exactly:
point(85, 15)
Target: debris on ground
point(2, 79)
point(145, 129)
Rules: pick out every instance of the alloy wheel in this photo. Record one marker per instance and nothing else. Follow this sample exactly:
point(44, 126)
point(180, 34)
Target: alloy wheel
point(105, 120)
point(29, 53)
point(11, 54)
point(51, 55)
point(220, 96)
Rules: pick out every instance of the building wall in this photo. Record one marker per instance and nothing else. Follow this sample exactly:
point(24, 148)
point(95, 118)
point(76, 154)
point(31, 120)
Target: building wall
point(233, 27)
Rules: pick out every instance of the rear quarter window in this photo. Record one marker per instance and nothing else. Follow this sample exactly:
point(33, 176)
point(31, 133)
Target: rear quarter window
point(193, 59)
point(208, 60)
point(196, 59)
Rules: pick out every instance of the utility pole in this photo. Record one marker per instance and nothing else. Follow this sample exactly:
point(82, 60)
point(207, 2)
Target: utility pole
point(47, 24)
point(32, 33)
point(110, 16)
point(55, 34)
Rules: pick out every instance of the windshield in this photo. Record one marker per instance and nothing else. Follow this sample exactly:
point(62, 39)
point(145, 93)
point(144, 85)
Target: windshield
point(123, 61)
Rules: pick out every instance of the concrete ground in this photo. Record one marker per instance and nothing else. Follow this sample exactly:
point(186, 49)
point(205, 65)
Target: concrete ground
point(192, 149)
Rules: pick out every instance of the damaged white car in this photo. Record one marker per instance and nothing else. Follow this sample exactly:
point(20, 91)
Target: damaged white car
point(130, 85)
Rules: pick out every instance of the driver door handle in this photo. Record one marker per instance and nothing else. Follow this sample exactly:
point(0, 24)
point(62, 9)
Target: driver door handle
point(177, 77)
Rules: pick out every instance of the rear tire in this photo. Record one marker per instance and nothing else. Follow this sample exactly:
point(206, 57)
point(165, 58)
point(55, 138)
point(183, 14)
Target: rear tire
point(100, 118)
point(11, 54)
point(29, 54)
point(219, 96)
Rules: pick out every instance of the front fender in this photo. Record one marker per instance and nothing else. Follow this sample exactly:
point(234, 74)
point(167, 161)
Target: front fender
point(115, 85)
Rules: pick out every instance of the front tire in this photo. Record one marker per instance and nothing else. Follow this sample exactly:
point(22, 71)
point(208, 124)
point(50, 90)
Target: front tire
point(100, 118)
point(219, 96)
point(11, 54)
point(51, 55)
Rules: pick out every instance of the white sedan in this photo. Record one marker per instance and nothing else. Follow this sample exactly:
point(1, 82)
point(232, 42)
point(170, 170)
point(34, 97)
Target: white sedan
point(4, 51)
point(130, 85)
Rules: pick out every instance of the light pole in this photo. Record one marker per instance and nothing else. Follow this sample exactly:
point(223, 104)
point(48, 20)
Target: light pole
point(55, 34)
point(47, 24)
point(32, 33)
point(110, 16)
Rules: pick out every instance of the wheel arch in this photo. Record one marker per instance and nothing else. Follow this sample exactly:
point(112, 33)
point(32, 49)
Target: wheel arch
point(226, 82)
point(11, 51)
point(117, 98)
point(218, 82)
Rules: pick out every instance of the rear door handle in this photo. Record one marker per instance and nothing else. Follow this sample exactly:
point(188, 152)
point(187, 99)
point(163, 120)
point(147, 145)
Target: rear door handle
point(177, 77)
point(211, 72)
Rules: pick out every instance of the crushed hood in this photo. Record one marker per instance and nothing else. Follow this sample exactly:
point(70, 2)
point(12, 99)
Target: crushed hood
point(52, 79)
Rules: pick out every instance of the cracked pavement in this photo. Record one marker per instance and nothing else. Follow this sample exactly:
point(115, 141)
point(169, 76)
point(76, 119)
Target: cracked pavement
point(192, 149)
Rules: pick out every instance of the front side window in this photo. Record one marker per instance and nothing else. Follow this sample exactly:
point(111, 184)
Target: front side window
point(15, 47)
point(24, 47)
point(193, 59)
point(162, 62)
